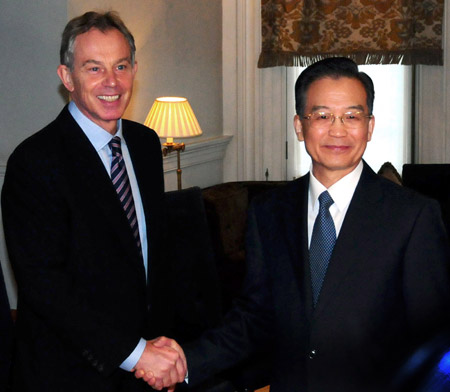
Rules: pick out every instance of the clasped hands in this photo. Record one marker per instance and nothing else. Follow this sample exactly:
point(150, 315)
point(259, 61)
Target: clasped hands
point(162, 364)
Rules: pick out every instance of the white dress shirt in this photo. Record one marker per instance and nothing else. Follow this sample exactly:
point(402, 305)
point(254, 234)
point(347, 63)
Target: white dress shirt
point(341, 192)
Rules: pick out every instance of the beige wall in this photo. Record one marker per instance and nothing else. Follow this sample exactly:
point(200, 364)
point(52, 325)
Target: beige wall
point(178, 51)
point(29, 48)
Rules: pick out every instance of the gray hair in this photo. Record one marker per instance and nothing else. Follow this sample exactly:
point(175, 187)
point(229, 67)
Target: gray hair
point(92, 20)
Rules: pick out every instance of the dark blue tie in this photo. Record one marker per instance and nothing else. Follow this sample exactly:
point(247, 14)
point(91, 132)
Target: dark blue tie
point(322, 243)
point(122, 186)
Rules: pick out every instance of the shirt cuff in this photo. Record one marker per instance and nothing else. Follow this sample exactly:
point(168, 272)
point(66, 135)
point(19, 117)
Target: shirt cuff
point(134, 357)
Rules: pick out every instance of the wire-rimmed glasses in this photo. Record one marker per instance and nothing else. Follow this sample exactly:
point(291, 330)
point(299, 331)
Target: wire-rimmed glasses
point(350, 119)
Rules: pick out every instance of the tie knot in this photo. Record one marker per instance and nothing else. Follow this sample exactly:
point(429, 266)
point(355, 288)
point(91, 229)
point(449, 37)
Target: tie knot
point(325, 200)
point(114, 144)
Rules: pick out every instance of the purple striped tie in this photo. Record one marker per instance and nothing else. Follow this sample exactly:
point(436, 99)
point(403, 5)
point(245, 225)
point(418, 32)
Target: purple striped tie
point(121, 183)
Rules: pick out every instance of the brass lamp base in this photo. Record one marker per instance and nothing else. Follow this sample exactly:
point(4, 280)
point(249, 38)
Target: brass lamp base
point(178, 147)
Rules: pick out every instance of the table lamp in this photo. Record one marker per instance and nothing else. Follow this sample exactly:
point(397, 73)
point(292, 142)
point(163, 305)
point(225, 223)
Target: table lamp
point(172, 117)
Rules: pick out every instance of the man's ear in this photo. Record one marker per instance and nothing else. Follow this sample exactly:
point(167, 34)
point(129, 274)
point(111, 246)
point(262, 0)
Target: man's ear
point(66, 77)
point(298, 128)
point(371, 128)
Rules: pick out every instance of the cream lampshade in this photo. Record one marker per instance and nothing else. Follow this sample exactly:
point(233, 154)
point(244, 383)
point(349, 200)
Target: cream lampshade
point(172, 117)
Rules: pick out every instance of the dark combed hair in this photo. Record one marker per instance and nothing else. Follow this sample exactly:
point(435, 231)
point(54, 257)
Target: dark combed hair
point(92, 20)
point(335, 68)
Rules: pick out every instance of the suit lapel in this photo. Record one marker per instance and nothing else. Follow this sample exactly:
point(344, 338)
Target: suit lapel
point(355, 236)
point(140, 160)
point(296, 224)
point(149, 177)
point(87, 171)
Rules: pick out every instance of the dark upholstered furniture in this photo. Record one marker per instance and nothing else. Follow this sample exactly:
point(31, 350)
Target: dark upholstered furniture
point(193, 293)
point(207, 239)
point(432, 180)
point(226, 209)
point(190, 263)
point(429, 179)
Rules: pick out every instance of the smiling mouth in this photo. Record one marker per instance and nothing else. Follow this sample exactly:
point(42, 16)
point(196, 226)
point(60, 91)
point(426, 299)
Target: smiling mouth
point(109, 98)
point(337, 148)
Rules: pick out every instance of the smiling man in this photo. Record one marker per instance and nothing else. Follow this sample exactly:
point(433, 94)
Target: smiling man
point(100, 77)
point(335, 142)
point(82, 204)
point(347, 272)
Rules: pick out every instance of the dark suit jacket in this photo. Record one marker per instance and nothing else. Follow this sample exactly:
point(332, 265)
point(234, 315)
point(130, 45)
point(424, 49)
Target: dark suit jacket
point(83, 301)
point(385, 292)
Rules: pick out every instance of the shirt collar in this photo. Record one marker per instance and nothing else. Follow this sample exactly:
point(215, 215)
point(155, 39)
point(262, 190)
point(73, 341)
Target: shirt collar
point(341, 192)
point(98, 137)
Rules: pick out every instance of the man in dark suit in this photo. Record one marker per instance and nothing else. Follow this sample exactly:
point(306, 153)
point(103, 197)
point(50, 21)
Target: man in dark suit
point(345, 321)
point(82, 202)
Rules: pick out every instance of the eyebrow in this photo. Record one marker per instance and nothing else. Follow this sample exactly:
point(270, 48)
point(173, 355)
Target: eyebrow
point(318, 107)
point(127, 59)
point(321, 107)
point(92, 61)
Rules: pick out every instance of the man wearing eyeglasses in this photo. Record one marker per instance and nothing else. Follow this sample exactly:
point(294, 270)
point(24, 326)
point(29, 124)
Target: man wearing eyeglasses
point(348, 272)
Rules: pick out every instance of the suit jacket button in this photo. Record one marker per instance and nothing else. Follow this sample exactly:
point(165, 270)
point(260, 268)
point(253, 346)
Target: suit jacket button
point(312, 354)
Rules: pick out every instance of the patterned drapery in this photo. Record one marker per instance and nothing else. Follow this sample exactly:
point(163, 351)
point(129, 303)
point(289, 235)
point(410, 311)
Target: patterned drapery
point(300, 32)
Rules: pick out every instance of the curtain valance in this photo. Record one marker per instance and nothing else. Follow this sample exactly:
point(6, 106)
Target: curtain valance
point(299, 32)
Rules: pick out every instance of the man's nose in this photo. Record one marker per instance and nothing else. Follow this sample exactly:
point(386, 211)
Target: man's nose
point(337, 127)
point(110, 79)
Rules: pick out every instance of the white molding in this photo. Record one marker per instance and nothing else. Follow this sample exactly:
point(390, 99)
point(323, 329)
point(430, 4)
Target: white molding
point(254, 100)
point(236, 90)
point(432, 105)
point(201, 163)
point(430, 129)
point(241, 89)
point(446, 82)
point(198, 153)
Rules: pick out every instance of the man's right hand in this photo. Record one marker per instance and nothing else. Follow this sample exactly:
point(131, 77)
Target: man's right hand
point(162, 364)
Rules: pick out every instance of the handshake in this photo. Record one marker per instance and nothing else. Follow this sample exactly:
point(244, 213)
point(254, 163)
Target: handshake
point(162, 364)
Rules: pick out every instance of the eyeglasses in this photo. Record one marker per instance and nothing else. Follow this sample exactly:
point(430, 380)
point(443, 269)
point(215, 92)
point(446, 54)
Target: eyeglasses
point(350, 120)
